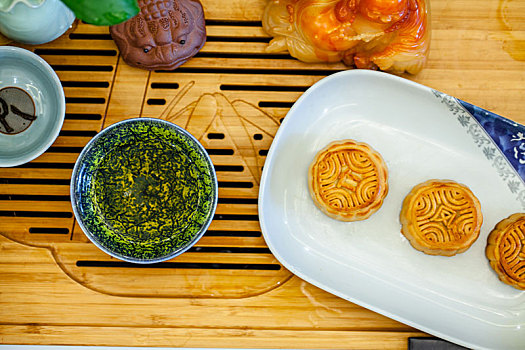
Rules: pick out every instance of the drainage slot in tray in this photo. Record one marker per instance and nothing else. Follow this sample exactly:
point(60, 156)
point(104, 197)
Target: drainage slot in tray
point(178, 265)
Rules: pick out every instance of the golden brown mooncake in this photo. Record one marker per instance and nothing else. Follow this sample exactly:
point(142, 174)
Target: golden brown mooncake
point(506, 250)
point(348, 180)
point(441, 217)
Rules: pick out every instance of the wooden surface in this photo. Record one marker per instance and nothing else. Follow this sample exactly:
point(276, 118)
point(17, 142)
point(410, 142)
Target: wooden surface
point(228, 291)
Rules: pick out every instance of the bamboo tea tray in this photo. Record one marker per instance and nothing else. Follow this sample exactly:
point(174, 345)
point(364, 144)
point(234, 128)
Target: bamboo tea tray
point(228, 290)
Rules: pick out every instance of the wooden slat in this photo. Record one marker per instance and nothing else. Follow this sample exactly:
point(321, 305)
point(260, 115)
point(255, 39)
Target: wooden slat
point(182, 78)
point(234, 47)
point(35, 173)
point(247, 96)
point(88, 251)
point(224, 225)
point(51, 157)
point(244, 10)
point(256, 242)
point(265, 66)
point(206, 337)
point(236, 32)
point(15, 223)
point(18, 229)
point(78, 60)
point(46, 206)
point(71, 141)
point(65, 75)
point(86, 92)
point(225, 192)
point(66, 43)
point(82, 125)
point(83, 28)
point(245, 209)
point(51, 190)
point(80, 108)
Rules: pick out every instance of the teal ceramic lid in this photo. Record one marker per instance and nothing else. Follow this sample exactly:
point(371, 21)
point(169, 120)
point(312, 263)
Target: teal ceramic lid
point(7, 5)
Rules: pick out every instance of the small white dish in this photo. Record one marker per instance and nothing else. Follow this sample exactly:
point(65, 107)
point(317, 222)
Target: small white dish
point(32, 106)
point(422, 134)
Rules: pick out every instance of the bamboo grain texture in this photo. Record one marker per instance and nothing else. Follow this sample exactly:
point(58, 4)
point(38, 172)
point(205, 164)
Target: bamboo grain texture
point(229, 290)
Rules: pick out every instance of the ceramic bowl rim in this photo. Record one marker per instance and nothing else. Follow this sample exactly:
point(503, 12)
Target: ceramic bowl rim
point(13, 51)
point(74, 183)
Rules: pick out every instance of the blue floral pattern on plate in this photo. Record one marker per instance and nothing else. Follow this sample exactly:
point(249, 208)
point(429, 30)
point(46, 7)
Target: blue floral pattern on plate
point(501, 140)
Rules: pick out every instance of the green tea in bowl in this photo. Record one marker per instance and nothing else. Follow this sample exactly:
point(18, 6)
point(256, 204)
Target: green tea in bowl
point(144, 190)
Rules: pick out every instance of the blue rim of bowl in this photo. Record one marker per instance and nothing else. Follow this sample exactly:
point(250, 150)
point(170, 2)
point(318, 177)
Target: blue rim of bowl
point(61, 103)
point(74, 184)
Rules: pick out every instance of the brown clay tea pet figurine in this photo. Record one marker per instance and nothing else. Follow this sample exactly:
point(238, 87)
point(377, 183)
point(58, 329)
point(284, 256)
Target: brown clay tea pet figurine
point(441, 217)
point(164, 35)
point(391, 35)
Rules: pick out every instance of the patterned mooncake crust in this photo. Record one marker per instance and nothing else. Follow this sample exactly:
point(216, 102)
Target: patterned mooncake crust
point(441, 217)
point(348, 180)
point(506, 250)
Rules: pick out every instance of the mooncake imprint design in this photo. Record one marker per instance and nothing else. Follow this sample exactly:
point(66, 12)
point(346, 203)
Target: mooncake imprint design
point(506, 250)
point(348, 180)
point(441, 217)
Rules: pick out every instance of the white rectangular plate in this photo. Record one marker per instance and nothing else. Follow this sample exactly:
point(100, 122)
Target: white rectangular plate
point(422, 134)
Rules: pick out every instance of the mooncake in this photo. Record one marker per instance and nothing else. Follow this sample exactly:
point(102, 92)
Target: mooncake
point(348, 180)
point(506, 250)
point(441, 217)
